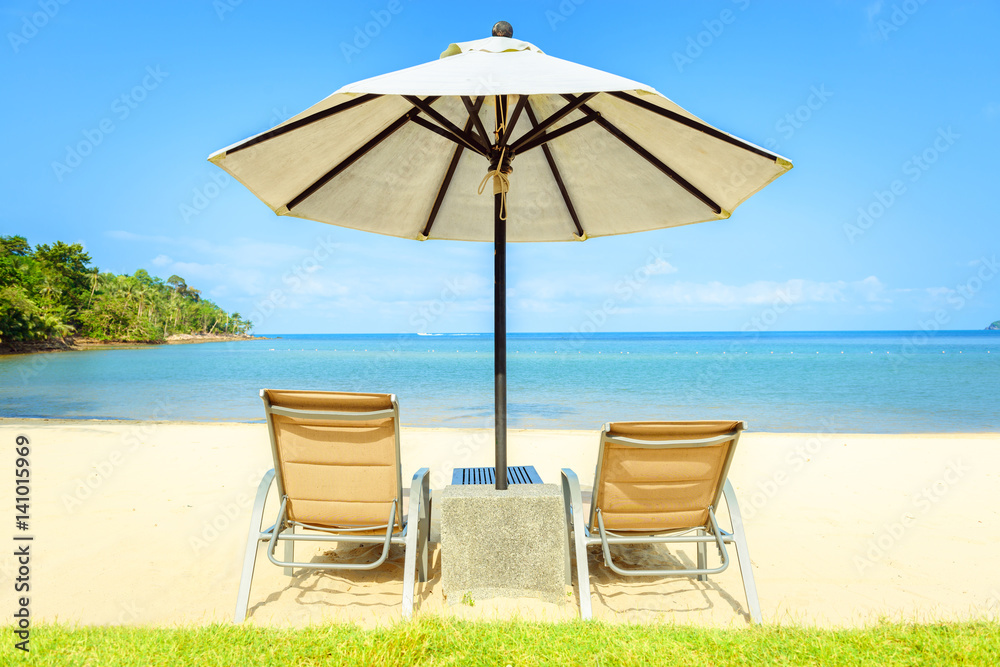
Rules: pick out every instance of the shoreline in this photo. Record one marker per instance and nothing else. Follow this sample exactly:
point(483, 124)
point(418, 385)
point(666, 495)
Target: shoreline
point(76, 421)
point(78, 344)
point(843, 529)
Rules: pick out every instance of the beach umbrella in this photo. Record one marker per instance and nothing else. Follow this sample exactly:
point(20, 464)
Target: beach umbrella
point(567, 151)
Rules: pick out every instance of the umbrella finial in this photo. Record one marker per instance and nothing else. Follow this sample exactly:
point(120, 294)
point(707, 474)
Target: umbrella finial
point(503, 29)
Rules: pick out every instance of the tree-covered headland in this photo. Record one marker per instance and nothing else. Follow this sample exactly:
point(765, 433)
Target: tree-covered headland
point(52, 291)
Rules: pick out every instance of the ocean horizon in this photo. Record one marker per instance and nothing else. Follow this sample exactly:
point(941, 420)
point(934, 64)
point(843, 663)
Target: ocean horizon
point(816, 381)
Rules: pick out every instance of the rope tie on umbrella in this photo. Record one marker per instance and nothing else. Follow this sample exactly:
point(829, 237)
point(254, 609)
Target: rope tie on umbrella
point(501, 182)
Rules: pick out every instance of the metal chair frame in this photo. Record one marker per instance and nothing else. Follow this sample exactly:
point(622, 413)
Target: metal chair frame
point(413, 533)
point(583, 534)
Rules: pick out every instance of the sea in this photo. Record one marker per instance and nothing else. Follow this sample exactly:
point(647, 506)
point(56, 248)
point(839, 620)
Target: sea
point(850, 382)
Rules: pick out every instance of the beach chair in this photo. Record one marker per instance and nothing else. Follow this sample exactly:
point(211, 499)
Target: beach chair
point(337, 471)
point(660, 482)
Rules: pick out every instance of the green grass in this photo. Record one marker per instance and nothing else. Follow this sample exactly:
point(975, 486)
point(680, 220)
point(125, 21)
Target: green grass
point(433, 641)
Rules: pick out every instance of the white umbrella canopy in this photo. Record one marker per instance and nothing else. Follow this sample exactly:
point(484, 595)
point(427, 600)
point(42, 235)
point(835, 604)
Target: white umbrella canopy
point(321, 164)
point(408, 153)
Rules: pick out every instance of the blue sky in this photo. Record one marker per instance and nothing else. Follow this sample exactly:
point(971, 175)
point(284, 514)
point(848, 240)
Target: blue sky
point(890, 112)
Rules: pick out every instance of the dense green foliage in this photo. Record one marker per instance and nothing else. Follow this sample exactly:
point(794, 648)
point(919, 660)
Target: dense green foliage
point(53, 292)
point(436, 641)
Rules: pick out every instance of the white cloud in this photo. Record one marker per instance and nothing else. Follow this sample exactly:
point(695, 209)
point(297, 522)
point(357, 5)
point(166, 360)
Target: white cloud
point(872, 289)
point(538, 306)
point(122, 235)
point(660, 267)
point(546, 295)
point(796, 291)
point(938, 294)
point(239, 250)
point(351, 286)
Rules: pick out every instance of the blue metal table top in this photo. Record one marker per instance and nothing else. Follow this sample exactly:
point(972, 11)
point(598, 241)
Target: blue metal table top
point(515, 475)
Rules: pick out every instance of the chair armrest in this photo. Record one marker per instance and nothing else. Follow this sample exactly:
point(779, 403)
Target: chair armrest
point(266, 482)
point(419, 496)
point(574, 518)
point(574, 502)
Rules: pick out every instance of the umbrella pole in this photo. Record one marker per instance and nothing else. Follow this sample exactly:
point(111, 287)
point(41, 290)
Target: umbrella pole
point(500, 339)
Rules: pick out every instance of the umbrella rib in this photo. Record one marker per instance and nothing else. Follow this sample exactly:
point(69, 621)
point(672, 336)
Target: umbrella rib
point(350, 159)
point(446, 181)
point(468, 137)
point(473, 110)
point(302, 122)
point(558, 178)
point(574, 103)
point(655, 161)
point(518, 108)
point(450, 136)
point(549, 136)
point(695, 125)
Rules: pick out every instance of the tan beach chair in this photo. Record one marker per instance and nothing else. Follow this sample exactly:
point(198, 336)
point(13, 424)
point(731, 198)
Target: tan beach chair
point(660, 482)
point(337, 470)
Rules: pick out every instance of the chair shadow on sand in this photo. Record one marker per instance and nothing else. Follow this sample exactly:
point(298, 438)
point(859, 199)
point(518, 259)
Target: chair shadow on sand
point(655, 594)
point(648, 595)
point(373, 589)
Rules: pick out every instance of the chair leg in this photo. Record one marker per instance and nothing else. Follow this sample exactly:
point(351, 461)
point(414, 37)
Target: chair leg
point(253, 541)
point(423, 537)
point(289, 552)
point(568, 508)
point(571, 488)
point(743, 553)
point(702, 556)
point(416, 538)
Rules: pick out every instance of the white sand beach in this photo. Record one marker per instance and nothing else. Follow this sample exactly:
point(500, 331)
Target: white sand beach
point(145, 523)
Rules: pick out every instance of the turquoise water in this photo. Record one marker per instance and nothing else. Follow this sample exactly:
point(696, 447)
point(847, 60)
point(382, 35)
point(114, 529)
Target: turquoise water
point(874, 382)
